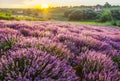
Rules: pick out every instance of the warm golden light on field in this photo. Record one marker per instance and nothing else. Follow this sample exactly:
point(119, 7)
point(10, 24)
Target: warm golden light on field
point(44, 6)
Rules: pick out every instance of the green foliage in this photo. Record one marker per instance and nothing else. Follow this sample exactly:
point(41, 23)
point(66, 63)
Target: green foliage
point(84, 14)
point(67, 13)
point(6, 16)
point(118, 24)
point(117, 61)
point(107, 5)
point(109, 16)
point(7, 44)
point(105, 16)
point(114, 23)
point(116, 14)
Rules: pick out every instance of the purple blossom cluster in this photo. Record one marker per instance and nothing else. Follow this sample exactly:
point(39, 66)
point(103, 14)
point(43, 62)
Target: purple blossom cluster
point(58, 51)
point(44, 44)
point(93, 66)
point(34, 65)
point(8, 38)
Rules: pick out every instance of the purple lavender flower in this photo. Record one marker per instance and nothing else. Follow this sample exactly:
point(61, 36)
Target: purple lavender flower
point(56, 49)
point(93, 66)
point(30, 64)
point(8, 38)
point(58, 41)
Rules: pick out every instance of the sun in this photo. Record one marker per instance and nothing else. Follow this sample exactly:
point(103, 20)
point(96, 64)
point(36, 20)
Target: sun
point(44, 6)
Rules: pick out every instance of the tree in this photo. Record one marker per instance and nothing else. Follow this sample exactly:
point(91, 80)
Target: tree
point(82, 14)
point(98, 5)
point(107, 5)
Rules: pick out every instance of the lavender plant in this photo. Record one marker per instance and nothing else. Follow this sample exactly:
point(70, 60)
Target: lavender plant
point(33, 65)
point(34, 51)
point(55, 49)
point(93, 66)
point(8, 38)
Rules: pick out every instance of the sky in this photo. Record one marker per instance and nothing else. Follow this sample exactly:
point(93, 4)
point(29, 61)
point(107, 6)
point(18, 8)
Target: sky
point(31, 3)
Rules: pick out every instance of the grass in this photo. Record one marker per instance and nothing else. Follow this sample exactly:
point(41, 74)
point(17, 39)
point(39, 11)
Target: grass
point(92, 23)
point(89, 23)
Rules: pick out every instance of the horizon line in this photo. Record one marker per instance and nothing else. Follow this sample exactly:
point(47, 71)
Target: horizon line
point(33, 7)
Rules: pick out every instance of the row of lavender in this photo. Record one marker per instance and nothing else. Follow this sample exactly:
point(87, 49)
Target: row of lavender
point(57, 51)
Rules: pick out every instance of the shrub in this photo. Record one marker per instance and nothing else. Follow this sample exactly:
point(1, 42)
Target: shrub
point(115, 14)
point(20, 61)
point(7, 44)
point(33, 65)
point(98, 15)
point(94, 66)
point(114, 23)
point(105, 16)
point(118, 24)
point(82, 15)
point(8, 38)
point(55, 49)
point(116, 60)
point(26, 32)
point(6, 16)
point(67, 13)
point(78, 44)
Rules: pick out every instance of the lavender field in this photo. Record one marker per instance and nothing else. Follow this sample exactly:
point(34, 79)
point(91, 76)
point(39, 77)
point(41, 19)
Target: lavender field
point(58, 51)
